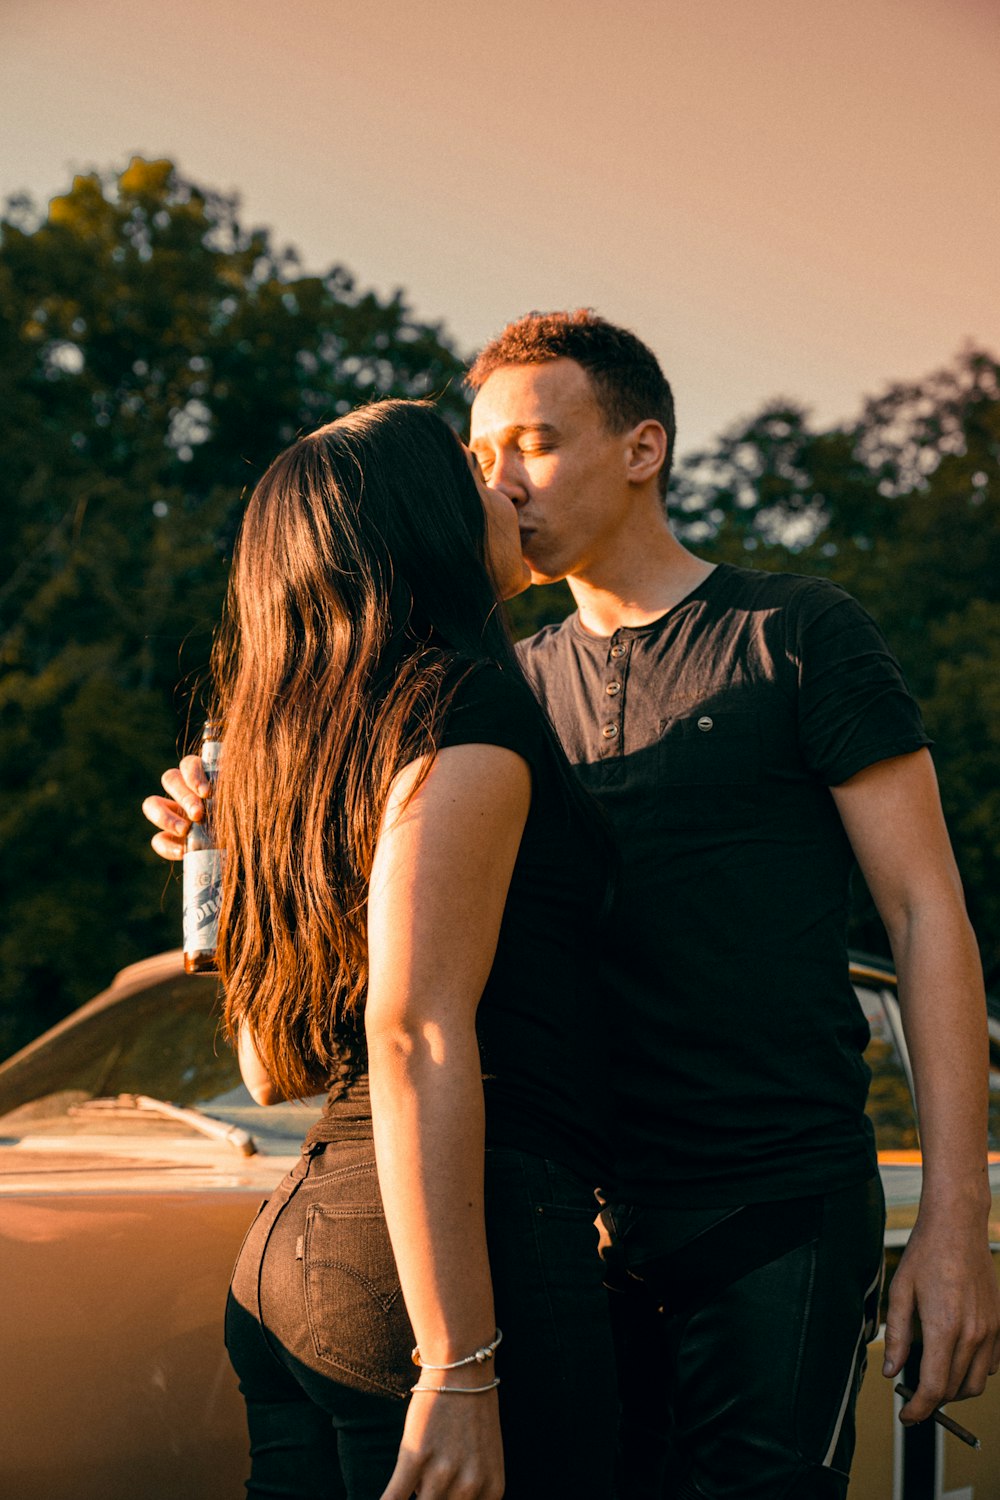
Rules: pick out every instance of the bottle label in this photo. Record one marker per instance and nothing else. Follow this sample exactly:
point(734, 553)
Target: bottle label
point(202, 896)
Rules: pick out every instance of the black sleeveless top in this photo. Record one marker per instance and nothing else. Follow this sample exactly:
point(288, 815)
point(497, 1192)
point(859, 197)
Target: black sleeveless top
point(540, 1030)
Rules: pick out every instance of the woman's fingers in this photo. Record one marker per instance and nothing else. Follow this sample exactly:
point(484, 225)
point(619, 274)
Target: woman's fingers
point(451, 1450)
point(405, 1477)
point(187, 784)
point(192, 769)
point(167, 846)
point(173, 822)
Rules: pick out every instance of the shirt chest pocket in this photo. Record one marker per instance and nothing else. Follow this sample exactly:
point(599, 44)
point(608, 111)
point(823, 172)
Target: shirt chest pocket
point(709, 767)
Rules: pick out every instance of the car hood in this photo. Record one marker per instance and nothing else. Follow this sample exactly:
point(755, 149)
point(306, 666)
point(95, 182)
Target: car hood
point(130, 1163)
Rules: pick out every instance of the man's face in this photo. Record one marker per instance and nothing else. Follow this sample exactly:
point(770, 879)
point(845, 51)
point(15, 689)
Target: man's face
point(540, 437)
point(508, 569)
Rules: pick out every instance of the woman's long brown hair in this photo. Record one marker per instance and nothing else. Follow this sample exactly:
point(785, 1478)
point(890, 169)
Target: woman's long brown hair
point(360, 592)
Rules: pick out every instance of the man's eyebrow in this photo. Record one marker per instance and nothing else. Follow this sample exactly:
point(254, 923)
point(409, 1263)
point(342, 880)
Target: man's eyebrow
point(516, 430)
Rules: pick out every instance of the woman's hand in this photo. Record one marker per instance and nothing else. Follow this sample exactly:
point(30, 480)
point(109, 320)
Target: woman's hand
point(186, 786)
point(451, 1448)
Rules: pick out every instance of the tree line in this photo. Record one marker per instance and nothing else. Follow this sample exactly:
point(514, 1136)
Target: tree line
point(155, 353)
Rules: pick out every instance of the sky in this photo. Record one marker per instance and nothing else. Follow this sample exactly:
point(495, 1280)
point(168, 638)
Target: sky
point(784, 198)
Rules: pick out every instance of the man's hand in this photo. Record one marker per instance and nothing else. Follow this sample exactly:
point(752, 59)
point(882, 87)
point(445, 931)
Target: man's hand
point(946, 1281)
point(186, 786)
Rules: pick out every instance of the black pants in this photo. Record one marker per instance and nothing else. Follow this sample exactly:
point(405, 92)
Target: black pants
point(741, 1350)
point(318, 1334)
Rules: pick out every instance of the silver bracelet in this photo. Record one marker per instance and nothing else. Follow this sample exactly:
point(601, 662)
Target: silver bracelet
point(452, 1390)
point(478, 1358)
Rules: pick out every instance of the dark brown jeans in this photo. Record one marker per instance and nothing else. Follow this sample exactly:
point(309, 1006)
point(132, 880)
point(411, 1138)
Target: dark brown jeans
point(319, 1337)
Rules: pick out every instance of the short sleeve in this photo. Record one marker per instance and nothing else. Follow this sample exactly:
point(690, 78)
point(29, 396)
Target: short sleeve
point(854, 706)
point(491, 707)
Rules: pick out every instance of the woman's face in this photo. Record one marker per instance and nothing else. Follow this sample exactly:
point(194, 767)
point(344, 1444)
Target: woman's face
point(510, 573)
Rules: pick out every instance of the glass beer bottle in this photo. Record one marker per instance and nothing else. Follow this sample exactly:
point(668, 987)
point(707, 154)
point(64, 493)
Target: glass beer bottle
point(203, 871)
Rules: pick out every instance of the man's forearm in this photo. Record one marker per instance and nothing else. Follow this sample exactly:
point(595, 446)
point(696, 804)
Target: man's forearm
point(943, 1007)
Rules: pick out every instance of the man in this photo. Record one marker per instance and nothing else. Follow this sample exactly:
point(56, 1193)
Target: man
point(746, 732)
point(748, 735)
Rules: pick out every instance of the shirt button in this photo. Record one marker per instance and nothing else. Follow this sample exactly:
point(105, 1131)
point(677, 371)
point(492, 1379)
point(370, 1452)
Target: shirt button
point(618, 652)
point(610, 731)
point(613, 689)
point(705, 723)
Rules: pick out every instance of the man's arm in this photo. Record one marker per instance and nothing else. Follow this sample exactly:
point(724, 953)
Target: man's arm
point(892, 814)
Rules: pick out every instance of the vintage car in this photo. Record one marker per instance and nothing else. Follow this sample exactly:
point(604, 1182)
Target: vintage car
point(923, 1462)
point(132, 1161)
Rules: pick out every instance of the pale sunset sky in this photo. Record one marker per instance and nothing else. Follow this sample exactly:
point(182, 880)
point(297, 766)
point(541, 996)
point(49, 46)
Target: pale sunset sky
point(783, 197)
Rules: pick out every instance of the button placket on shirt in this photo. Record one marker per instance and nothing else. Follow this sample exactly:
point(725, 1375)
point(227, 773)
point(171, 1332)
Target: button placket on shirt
point(613, 725)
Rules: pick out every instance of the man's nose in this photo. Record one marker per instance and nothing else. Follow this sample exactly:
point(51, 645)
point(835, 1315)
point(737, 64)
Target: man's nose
point(509, 478)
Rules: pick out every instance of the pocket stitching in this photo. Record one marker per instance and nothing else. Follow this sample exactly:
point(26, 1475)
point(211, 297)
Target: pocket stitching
point(341, 1174)
point(320, 1212)
point(386, 1303)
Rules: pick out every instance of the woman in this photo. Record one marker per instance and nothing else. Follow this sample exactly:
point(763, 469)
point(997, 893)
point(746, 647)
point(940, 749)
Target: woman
point(412, 897)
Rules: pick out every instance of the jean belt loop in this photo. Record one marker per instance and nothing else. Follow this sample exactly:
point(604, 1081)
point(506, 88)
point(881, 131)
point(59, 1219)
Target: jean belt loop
point(308, 1151)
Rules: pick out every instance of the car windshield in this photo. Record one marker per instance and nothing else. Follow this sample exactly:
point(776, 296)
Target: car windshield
point(890, 1104)
point(162, 1041)
point(890, 1107)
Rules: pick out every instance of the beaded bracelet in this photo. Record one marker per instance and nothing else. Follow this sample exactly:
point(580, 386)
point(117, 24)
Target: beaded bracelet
point(478, 1358)
point(452, 1390)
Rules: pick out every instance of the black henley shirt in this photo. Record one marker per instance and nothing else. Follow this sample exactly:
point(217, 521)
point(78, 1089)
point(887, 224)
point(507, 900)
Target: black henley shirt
point(712, 737)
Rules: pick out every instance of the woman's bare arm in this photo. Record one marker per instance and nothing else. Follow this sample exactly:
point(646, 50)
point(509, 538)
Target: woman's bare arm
point(440, 878)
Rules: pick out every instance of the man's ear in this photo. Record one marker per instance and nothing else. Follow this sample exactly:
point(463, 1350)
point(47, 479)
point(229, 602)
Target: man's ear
point(645, 452)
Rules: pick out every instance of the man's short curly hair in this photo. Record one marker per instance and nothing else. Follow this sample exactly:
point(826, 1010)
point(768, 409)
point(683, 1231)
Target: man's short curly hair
point(628, 383)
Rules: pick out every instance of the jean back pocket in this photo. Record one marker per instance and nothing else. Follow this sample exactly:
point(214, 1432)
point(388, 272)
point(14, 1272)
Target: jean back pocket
point(354, 1305)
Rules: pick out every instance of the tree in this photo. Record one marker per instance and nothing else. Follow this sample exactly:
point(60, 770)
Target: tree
point(154, 355)
point(962, 708)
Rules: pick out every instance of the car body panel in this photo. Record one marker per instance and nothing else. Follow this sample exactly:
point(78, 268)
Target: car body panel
point(123, 1387)
point(119, 1229)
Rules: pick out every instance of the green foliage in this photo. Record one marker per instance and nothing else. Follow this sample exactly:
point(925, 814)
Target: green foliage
point(154, 356)
point(962, 707)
